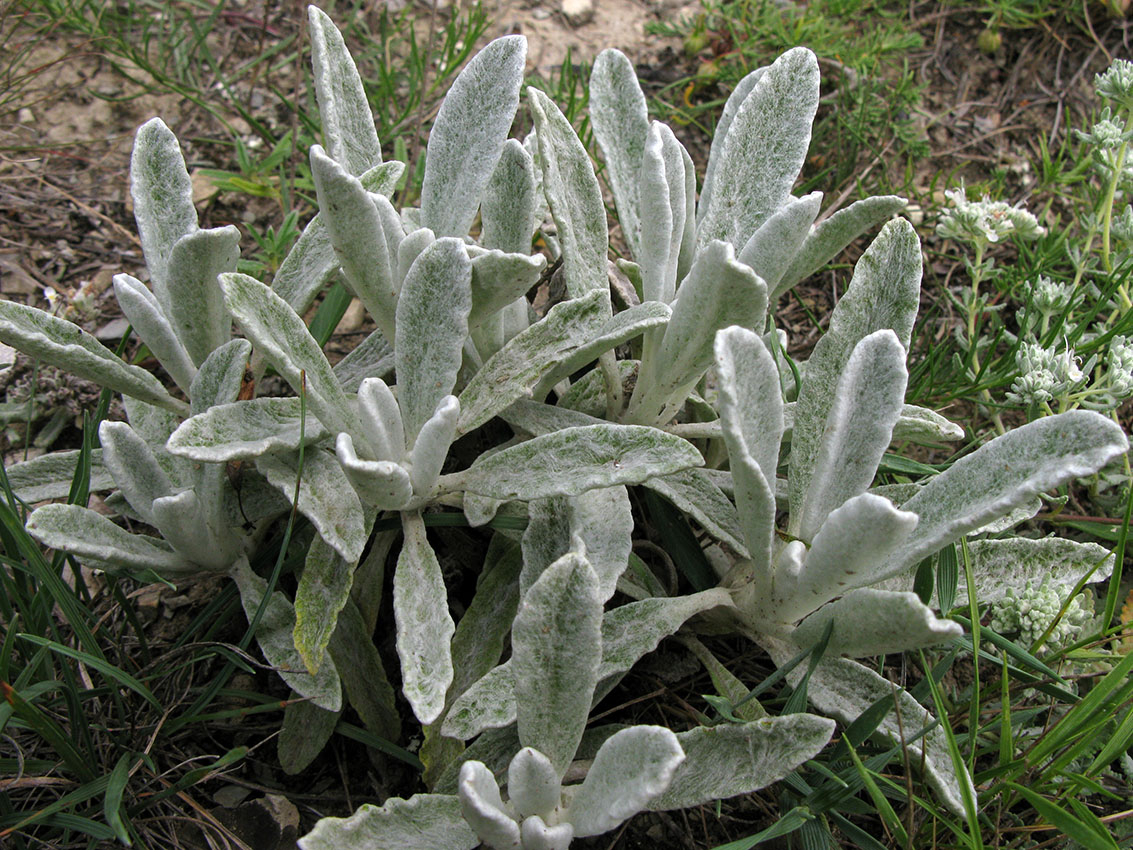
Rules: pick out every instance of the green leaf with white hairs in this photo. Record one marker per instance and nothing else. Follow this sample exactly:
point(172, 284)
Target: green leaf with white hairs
point(432, 325)
point(656, 254)
point(699, 497)
point(135, 469)
point(430, 449)
point(620, 120)
point(498, 279)
point(363, 676)
point(67, 346)
point(731, 107)
point(1003, 474)
point(424, 625)
point(844, 689)
point(423, 822)
point(763, 151)
point(305, 730)
point(488, 703)
point(163, 200)
point(221, 377)
point(925, 427)
point(97, 541)
point(575, 198)
point(574, 460)
point(372, 358)
point(280, 335)
point(875, 622)
point(633, 767)
point(751, 402)
point(348, 124)
point(755, 503)
point(556, 644)
point(831, 235)
point(196, 305)
point(410, 248)
point(726, 760)
point(274, 635)
point(312, 263)
point(513, 372)
point(884, 292)
point(382, 484)
point(468, 135)
point(325, 497)
point(381, 420)
point(182, 520)
point(774, 245)
point(324, 587)
point(354, 225)
point(859, 427)
point(245, 429)
point(50, 476)
point(532, 786)
point(144, 314)
point(848, 551)
point(536, 418)
point(483, 807)
point(507, 210)
point(718, 292)
point(1012, 563)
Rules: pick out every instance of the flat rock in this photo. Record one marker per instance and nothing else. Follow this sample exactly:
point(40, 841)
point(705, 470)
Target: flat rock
point(578, 12)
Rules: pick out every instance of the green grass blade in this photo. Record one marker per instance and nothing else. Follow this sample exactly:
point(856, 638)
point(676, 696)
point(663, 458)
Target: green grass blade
point(112, 802)
point(99, 664)
point(1066, 823)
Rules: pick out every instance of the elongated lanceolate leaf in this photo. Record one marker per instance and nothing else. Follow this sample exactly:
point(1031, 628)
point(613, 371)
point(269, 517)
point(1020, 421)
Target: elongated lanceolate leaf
point(372, 358)
point(827, 238)
point(381, 420)
point(483, 807)
point(482, 632)
point(507, 210)
point(556, 644)
point(731, 107)
point(601, 520)
point(306, 729)
point(91, 536)
point(925, 427)
point(859, 427)
point(847, 552)
point(432, 325)
point(726, 760)
point(381, 484)
point(196, 304)
point(574, 195)
point(513, 371)
point(363, 676)
point(182, 520)
point(632, 768)
point(145, 316)
point(763, 150)
point(274, 635)
point(163, 200)
point(1003, 474)
point(875, 622)
point(431, 447)
point(718, 292)
point(751, 402)
point(312, 263)
point(134, 467)
point(221, 377)
point(498, 279)
point(771, 248)
point(657, 227)
point(72, 349)
point(574, 460)
point(423, 822)
point(468, 135)
point(696, 494)
point(489, 703)
point(1012, 563)
point(532, 786)
point(49, 476)
point(356, 232)
point(348, 125)
point(245, 429)
point(424, 625)
point(325, 497)
point(276, 330)
point(621, 123)
point(324, 587)
point(883, 293)
point(411, 247)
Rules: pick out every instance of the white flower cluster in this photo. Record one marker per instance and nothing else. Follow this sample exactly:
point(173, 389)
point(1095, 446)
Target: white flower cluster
point(1116, 83)
point(1119, 363)
point(1029, 613)
point(1044, 374)
point(1107, 133)
point(985, 221)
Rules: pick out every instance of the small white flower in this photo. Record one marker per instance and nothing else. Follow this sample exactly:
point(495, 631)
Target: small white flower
point(52, 297)
point(1116, 83)
point(985, 221)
